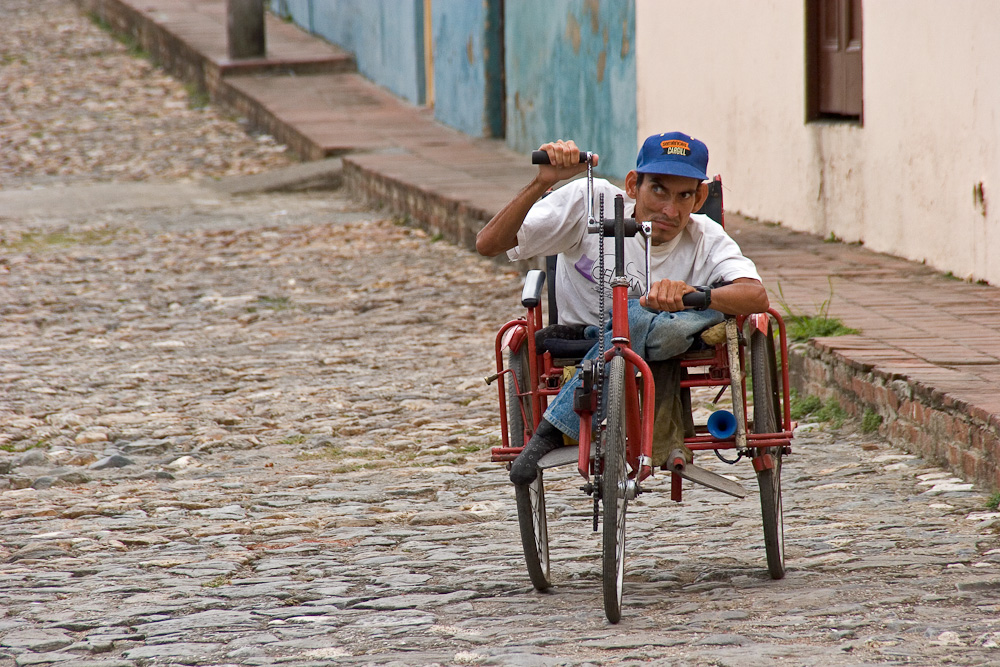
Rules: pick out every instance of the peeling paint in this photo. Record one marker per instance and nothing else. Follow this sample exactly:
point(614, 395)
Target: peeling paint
point(565, 65)
point(573, 32)
point(593, 7)
point(468, 50)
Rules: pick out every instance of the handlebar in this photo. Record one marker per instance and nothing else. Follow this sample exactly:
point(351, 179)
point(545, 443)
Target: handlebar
point(695, 300)
point(541, 157)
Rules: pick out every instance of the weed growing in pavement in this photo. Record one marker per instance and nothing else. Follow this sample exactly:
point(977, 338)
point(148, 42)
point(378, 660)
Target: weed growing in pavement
point(296, 439)
point(197, 97)
point(802, 406)
point(128, 41)
point(58, 239)
point(831, 412)
point(273, 302)
point(814, 408)
point(328, 453)
point(871, 421)
point(11, 447)
point(219, 581)
point(804, 327)
point(993, 503)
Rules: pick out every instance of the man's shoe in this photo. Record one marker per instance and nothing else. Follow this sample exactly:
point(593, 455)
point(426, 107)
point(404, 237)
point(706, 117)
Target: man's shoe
point(545, 439)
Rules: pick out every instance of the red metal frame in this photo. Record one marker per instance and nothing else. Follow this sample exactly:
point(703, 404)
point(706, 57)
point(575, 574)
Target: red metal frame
point(639, 419)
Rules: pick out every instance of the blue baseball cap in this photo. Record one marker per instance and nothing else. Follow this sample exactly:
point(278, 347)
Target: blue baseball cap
point(674, 154)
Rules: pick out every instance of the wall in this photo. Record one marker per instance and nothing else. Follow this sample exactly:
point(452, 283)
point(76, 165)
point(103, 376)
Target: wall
point(570, 68)
point(732, 73)
point(387, 38)
point(468, 65)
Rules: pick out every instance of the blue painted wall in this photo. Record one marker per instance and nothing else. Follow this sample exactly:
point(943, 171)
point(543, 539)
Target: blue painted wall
point(468, 65)
point(386, 38)
point(544, 70)
point(570, 71)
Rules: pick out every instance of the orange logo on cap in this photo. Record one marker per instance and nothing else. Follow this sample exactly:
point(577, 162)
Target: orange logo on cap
point(675, 147)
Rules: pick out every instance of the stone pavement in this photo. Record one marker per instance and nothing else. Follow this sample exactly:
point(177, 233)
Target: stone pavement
point(927, 360)
point(253, 431)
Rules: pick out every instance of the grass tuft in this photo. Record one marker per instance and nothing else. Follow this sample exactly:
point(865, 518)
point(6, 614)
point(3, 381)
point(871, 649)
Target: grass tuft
point(814, 408)
point(993, 503)
point(802, 327)
point(197, 97)
point(871, 421)
point(274, 302)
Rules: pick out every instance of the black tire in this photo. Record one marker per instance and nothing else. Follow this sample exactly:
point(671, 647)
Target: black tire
point(534, 531)
point(518, 363)
point(764, 371)
point(530, 499)
point(614, 481)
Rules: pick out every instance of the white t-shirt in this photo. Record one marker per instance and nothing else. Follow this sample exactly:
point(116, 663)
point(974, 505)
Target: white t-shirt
point(702, 255)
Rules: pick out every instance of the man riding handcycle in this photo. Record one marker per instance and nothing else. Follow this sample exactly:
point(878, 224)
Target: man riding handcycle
point(685, 253)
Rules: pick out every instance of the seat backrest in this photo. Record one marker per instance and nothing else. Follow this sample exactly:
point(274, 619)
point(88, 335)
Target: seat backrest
point(712, 208)
point(713, 205)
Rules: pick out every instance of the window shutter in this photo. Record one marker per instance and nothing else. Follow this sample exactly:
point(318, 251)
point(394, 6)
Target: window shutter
point(837, 52)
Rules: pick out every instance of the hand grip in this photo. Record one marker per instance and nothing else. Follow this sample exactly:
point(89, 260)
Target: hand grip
point(541, 157)
point(695, 300)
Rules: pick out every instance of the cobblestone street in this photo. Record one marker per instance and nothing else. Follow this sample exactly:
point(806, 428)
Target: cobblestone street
point(253, 430)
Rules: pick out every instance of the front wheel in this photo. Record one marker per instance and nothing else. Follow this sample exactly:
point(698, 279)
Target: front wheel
point(763, 368)
point(614, 486)
point(534, 531)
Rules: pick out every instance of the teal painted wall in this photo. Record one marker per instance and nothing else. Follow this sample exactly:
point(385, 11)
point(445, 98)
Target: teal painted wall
point(386, 38)
point(468, 65)
point(570, 74)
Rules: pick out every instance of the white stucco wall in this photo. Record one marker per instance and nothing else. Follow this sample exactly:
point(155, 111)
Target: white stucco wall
point(732, 73)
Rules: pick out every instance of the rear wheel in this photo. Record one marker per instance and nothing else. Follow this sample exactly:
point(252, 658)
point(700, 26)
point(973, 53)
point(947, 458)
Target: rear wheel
point(517, 362)
point(614, 486)
point(763, 368)
point(531, 498)
point(534, 531)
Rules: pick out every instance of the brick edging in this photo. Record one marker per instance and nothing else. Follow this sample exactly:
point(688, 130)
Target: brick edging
point(915, 417)
point(167, 50)
point(457, 221)
point(187, 63)
point(454, 220)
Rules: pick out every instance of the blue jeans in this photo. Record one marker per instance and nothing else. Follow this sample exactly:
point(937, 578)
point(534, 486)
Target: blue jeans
point(655, 336)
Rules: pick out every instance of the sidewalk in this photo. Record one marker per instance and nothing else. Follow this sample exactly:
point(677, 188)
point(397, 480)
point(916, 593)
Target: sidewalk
point(927, 359)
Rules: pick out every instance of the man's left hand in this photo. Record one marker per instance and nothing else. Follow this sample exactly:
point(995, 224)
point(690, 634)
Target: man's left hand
point(666, 295)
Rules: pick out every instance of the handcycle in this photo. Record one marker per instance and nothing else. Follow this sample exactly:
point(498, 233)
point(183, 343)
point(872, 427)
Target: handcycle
point(616, 402)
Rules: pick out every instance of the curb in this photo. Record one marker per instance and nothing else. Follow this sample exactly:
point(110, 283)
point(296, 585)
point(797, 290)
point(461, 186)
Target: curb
point(304, 176)
point(914, 416)
point(219, 76)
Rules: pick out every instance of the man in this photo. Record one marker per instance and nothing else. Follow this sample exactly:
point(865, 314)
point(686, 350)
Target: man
point(665, 188)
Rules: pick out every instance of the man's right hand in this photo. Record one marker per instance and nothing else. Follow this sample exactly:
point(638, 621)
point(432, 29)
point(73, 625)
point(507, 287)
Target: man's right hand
point(500, 233)
point(564, 162)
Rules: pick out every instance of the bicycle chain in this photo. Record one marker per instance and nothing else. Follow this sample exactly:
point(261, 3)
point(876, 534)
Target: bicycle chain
point(599, 365)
